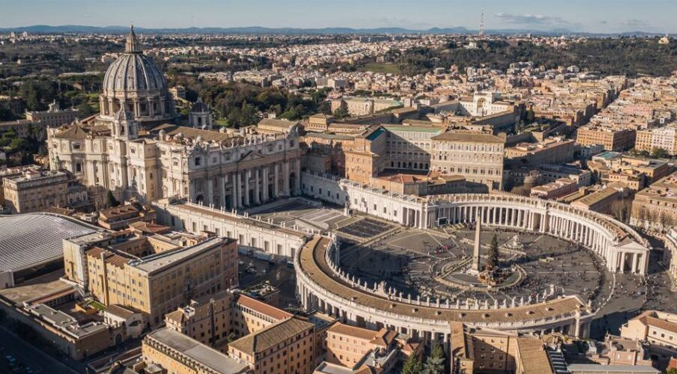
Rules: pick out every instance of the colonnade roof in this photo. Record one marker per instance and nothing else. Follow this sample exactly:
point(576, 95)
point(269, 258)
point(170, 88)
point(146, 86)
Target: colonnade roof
point(312, 261)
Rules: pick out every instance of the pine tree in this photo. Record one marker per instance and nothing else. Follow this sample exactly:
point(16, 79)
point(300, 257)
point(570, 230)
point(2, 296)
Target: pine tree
point(492, 261)
point(435, 363)
point(412, 366)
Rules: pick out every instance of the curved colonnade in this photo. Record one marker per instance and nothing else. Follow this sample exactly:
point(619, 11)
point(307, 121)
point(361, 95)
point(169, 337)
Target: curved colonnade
point(319, 287)
point(618, 245)
point(322, 286)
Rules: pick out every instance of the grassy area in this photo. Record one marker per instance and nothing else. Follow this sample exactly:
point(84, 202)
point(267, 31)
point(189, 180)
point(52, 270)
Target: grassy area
point(381, 68)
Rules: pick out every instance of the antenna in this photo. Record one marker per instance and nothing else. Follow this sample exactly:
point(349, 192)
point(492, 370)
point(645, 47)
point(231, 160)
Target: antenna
point(482, 23)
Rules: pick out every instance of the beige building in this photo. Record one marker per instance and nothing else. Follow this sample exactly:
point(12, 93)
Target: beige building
point(206, 320)
point(152, 274)
point(168, 351)
point(612, 139)
point(53, 117)
point(357, 348)
point(551, 151)
point(656, 205)
point(658, 329)
point(487, 351)
point(284, 347)
point(36, 191)
point(477, 157)
point(657, 138)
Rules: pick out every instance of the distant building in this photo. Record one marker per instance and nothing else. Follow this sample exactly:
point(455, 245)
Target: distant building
point(54, 116)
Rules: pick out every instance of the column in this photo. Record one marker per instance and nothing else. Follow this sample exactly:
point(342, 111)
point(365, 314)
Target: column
point(276, 182)
point(257, 188)
point(265, 183)
point(238, 188)
point(210, 191)
point(247, 198)
point(286, 176)
point(635, 263)
point(297, 175)
point(222, 191)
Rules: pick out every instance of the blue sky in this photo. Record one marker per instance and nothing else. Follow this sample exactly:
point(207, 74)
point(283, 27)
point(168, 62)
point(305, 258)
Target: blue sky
point(576, 15)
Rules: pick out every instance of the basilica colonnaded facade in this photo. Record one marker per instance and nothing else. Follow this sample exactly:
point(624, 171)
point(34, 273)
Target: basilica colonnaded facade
point(133, 148)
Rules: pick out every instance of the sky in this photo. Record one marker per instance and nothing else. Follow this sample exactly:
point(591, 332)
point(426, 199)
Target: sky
point(607, 16)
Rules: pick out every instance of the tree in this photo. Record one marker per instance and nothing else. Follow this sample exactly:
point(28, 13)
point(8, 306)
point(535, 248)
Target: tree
point(671, 371)
point(620, 209)
point(112, 201)
point(492, 260)
point(341, 113)
point(412, 366)
point(659, 153)
point(434, 364)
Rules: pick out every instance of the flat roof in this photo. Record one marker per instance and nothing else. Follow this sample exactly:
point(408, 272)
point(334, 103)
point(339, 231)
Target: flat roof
point(201, 353)
point(33, 239)
point(611, 369)
point(165, 259)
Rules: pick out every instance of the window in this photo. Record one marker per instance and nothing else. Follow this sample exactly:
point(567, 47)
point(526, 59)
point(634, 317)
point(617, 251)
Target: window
point(198, 161)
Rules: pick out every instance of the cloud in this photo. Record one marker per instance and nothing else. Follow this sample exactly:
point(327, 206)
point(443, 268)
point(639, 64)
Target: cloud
point(531, 19)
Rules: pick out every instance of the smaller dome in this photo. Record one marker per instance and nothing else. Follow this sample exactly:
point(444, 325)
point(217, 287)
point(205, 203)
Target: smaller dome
point(199, 106)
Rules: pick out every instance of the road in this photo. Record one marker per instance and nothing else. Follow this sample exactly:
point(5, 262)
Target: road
point(39, 361)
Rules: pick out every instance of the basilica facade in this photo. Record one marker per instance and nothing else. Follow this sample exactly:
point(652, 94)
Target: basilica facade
point(134, 149)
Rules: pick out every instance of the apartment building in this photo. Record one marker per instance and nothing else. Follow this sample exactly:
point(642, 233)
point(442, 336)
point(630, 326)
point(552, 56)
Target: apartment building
point(657, 138)
point(477, 157)
point(612, 139)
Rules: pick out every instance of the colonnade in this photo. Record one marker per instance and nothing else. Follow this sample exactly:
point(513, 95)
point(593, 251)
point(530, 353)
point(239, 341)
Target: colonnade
point(248, 187)
point(365, 309)
point(562, 224)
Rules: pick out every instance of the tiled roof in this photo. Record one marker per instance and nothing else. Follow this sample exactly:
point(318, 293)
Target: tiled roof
point(270, 336)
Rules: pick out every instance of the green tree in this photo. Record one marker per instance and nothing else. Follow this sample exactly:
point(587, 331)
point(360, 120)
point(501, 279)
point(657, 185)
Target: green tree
point(112, 201)
point(492, 260)
point(412, 366)
point(341, 113)
point(671, 371)
point(659, 153)
point(435, 363)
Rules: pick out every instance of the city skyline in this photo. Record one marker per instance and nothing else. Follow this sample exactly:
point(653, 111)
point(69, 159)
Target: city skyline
point(600, 16)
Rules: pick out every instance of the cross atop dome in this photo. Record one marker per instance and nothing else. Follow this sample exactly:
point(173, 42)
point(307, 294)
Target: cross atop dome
point(132, 45)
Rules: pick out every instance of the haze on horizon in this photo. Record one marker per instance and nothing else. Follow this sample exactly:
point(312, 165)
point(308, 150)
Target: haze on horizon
point(596, 16)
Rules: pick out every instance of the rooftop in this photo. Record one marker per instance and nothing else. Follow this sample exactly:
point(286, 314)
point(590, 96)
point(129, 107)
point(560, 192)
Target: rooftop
point(468, 138)
point(270, 336)
point(32, 239)
point(201, 353)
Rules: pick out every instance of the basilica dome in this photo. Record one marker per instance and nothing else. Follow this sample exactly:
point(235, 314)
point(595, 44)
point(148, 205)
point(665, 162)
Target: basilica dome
point(137, 83)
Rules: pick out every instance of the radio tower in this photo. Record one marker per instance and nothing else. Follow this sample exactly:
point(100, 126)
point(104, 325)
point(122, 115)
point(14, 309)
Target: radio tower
point(482, 23)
